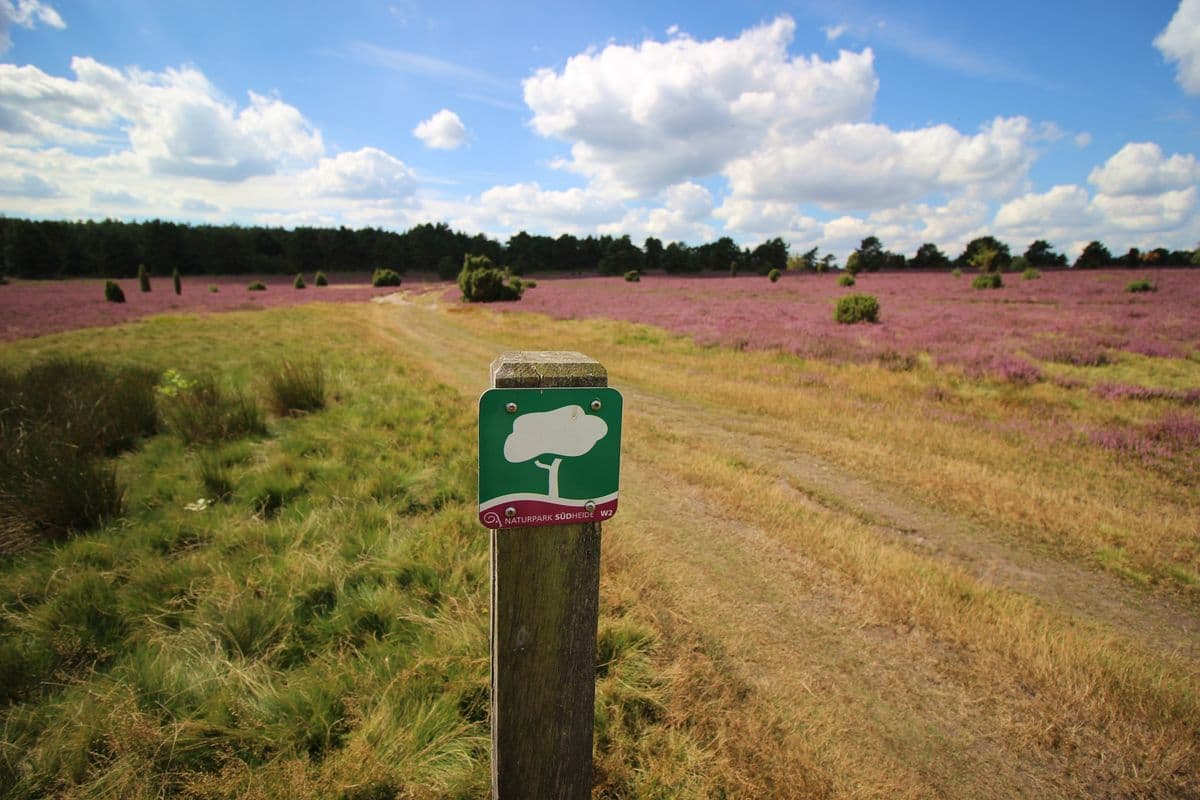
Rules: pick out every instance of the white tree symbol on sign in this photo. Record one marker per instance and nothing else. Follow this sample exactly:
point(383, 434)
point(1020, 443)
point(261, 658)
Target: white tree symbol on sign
point(566, 431)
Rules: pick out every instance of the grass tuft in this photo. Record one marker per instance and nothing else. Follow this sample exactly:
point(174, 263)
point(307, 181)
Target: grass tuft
point(200, 410)
point(296, 387)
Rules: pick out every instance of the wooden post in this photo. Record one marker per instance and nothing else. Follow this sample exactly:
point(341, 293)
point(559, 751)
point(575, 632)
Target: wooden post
point(545, 599)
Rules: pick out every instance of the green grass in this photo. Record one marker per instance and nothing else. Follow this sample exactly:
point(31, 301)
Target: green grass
point(316, 628)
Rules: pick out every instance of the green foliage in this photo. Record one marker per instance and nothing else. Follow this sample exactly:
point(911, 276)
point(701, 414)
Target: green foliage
point(929, 256)
point(1095, 255)
point(113, 292)
point(985, 253)
point(1143, 285)
point(58, 420)
point(143, 278)
point(621, 256)
point(854, 264)
point(177, 281)
point(298, 282)
point(987, 260)
point(200, 410)
point(257, 286)
point(481, 282)
point(296, 387)
point(528, 284)
point(385, 277)
point(956, 272)
point(845, 280)
point(320, 280)
point(988, 280)
point(1030, 274)
point(1041, 254)
point(773, 275)
point(854, 308)
point(633, 276)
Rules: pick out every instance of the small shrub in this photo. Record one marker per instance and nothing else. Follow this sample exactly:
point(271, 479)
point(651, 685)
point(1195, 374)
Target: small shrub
point(143, 278)
point(177, 281)
point(956, 272)
point(113, 292)
point(385, 277)
point(200, 410)
point(633, 276)
point(846, 280)
point(854, 308)
point(1143, 285)
point(1030, 274)
point(528, 284)
point(257, 286)
point(212, 287)
point(320, 280)
point(773, 275)
point(988, 280)
point(481, 282)
point(299, 283)
point(296, 387)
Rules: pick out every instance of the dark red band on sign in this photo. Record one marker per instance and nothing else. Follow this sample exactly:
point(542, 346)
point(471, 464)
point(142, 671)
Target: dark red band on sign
point(536, 513)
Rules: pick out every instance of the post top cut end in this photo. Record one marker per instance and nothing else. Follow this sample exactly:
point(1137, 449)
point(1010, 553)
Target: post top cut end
point(545, 369)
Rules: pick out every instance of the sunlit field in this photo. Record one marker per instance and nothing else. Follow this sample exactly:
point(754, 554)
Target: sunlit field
point(953, 553)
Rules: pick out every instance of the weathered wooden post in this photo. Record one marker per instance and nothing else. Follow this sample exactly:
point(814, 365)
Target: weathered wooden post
point(544, 408)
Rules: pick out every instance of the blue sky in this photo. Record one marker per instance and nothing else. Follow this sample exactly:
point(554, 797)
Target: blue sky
point(821, 122)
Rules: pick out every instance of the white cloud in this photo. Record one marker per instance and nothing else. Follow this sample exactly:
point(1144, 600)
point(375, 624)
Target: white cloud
point(1180, 42)
point(1061, 207)
point(834, 32)
point(27, 14)
point(443, 131)
point(1139, 168)
point(366, 174)
point(175, 122)
point(646, 117)
point(527, 206)
point(871, 166)
point(1163, 213)
point(1082, 139)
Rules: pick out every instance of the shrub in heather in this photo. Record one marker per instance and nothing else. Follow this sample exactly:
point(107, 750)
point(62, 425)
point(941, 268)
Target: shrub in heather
point(296, 387)
point(481, 282)
point(956, 272)
point(846, 280)
point(113, 292)
point(385, 277)
point(257, 286)
point(143, 278)
point(854, 308)
point(299, 283)
point(177, 281)
point(320, 280)
point(528, 284)
point(1143, 285)
point(212, 287)
point(201, 410)
point(1030, 274)
point(773, 275)
point(633, 276)
point(988, 280)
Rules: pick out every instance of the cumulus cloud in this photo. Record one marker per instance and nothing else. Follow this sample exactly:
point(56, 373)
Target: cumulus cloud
point(1180, 42)
point(443, 131)
point(870, 166)
point(366, 174)
point(646, 117)
point(1166, 212)
point(27, 14)
point(527, 206)
point(1061, 206)
point(1139, 168)
point(175, 121)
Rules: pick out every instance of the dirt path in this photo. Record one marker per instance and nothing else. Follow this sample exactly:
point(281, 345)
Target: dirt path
point(893, 711)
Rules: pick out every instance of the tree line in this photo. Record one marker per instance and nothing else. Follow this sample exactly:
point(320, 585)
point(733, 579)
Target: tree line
point(114, 249)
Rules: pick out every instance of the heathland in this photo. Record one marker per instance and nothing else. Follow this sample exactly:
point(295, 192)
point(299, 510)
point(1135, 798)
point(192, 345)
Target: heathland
point(849, 561)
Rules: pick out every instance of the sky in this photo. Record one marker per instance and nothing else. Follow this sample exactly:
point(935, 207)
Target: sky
point(818, 121)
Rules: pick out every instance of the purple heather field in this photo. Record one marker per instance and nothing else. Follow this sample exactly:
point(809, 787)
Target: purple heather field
point(1064, 316)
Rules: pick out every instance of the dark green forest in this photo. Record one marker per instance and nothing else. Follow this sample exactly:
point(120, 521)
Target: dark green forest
point(114, 249)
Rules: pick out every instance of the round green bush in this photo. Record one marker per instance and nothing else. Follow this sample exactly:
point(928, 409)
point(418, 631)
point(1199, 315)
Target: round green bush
point(257, 286)
point(774, 275)
point(385, 277)
point(988, 280)
point(956, 272)
point(320, 280)
point(633, 276)
point(854, 308)
point(1144, 285)
point(212, 287)
point(846, 280)
point(299, 282)
point(1030, 274)
point(113, 292)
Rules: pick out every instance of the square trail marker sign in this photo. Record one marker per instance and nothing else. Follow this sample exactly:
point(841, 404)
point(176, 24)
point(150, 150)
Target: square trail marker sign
point(548, 456)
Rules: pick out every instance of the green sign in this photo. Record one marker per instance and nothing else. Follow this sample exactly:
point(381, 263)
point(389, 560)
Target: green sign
point(548, 456)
